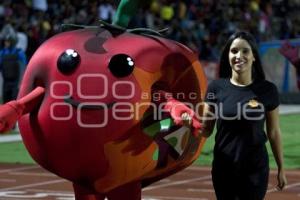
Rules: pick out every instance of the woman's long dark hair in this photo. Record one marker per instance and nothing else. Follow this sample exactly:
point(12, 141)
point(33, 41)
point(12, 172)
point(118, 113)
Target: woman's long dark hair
point(225, 68)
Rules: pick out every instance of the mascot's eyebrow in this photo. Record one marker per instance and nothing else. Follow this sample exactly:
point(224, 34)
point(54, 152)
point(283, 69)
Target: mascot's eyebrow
point(67, 27)
point(90, 43)
point(140, 31)
point(115, 30)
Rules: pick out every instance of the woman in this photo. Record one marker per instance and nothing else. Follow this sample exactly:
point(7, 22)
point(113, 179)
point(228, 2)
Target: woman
point(240, 102)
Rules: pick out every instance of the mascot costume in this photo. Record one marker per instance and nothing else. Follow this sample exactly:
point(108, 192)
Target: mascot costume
point(101, 107)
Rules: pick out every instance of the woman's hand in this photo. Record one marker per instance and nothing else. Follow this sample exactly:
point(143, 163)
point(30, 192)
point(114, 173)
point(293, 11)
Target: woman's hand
point(282, 180)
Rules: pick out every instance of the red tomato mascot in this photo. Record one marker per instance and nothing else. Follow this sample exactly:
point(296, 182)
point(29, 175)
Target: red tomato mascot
point(101, 107)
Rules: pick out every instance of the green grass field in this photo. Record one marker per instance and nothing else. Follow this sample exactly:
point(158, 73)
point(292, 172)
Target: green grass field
point(290, 125)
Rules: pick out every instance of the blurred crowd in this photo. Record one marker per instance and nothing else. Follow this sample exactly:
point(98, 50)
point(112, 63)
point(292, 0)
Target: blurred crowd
point(203, 25)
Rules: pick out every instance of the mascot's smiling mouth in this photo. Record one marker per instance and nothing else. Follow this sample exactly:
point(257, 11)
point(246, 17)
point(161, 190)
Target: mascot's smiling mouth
point(91, 106)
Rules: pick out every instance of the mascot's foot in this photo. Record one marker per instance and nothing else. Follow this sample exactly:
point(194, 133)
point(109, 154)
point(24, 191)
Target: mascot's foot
point(82, 193)
point(292, 53)
point(130, 191)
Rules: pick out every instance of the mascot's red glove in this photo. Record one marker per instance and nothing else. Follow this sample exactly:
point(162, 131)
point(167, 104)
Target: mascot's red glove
point(13, 110)
point(176, 109)
point(9, 114)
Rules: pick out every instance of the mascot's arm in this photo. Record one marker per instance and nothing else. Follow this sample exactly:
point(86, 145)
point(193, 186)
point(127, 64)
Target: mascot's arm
point(13, 110)
point(176, 109)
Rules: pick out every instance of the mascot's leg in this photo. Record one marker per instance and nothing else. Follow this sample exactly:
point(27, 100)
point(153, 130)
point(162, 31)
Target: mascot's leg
point(84, 194)
point(130, 191)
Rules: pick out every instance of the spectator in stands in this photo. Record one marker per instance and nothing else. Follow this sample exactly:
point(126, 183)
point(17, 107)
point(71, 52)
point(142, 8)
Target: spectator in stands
point(12, 64)
point(22, 38)
point(7, 30)
point(40, 5)
point(106, 11)
point(167, 12)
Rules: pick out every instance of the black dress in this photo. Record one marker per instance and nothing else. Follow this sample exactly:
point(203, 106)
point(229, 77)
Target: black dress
point(241, 166)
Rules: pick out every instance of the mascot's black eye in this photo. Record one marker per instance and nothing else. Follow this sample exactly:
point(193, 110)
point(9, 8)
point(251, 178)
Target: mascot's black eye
point(121, 65)
point(68, 61)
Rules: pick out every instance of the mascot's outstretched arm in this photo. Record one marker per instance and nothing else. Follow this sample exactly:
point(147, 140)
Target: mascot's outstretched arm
point(176, 108)
point(13, 110)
